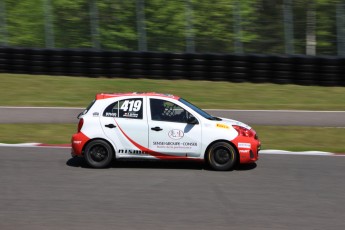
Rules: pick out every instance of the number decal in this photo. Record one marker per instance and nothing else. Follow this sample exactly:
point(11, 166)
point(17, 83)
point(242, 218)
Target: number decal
point(131, 105)
point(137, 105)
point(124, 106)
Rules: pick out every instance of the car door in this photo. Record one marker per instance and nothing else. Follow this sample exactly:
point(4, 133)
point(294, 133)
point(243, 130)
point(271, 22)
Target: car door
point(124, 122)
point(169, 132)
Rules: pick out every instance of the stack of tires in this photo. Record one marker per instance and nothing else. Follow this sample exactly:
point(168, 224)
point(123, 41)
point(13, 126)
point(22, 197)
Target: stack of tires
point(280, 69)
point(330, 71)
point(196, 67)
point(259, 68)
point(306, 70)
point(238, 68)
point(14, 60)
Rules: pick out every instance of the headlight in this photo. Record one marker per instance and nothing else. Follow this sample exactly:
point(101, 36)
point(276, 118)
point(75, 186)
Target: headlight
point(245, 132)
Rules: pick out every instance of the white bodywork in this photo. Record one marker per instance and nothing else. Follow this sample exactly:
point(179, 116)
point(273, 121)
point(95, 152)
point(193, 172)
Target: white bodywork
point(133, 136)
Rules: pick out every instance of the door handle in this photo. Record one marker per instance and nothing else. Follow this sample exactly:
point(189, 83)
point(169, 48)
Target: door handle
point(110, 126)
point(156, 128)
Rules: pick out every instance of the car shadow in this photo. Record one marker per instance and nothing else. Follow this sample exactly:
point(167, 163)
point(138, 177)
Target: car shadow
point(192, 165)
point(246, 167)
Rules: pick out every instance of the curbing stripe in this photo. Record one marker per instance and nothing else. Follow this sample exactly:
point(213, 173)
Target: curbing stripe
point(304, 153)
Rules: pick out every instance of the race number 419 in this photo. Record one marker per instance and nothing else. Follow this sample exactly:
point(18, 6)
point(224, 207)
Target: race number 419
point(131, 105)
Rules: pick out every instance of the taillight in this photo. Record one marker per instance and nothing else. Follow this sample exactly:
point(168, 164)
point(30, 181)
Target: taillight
point(80, 124)
point(244, 132)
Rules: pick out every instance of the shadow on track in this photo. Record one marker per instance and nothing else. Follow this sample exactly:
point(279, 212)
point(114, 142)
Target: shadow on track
point(80, 163)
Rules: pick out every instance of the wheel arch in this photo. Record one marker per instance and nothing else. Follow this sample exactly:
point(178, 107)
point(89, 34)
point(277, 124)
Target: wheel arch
point(222, 140)
point(102, 139)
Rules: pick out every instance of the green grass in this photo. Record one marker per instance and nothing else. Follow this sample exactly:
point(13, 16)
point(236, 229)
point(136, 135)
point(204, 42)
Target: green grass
point(31, 90)
point(272, 137)
point(301, 138)
point(37, 133)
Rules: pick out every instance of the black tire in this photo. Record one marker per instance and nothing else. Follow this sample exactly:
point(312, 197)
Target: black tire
point(98, 154)
point(221, 156)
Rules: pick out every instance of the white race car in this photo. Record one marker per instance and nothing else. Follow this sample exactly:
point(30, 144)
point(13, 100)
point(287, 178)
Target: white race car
point(160, 126)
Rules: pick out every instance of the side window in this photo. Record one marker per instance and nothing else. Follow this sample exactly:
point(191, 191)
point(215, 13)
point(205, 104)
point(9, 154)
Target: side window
point(162, 110)
point(128, 108)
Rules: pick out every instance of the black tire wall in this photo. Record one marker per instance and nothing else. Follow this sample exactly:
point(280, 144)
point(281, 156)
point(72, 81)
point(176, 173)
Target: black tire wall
point(256, 68)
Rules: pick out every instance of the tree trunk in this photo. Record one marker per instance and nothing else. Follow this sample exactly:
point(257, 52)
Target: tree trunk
point(311, 28)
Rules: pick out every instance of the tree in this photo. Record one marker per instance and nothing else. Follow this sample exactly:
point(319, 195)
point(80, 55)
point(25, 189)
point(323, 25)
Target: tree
point(25, 24)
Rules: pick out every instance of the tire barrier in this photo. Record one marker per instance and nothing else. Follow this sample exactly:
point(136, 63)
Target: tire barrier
point(256, 68)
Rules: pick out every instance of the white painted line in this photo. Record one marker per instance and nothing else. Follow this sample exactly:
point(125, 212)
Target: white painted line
point(20, 145)
point(292, 111)
point(35, 145)
point(303, 153)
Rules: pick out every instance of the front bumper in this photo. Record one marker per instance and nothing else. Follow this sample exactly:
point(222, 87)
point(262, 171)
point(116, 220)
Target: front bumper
point(248, 149)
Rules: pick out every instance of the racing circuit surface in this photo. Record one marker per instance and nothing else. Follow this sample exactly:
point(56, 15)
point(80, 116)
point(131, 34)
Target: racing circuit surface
point(251, 117)
point(44, 188)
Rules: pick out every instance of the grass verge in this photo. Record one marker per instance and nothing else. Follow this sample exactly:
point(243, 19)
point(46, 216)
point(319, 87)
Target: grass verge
point(32, 90)
point(301, 138)
point(272, 137)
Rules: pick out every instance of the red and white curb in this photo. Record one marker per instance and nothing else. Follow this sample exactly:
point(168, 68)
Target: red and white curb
point(283, 152)
point(36, 145)
point(262, 152)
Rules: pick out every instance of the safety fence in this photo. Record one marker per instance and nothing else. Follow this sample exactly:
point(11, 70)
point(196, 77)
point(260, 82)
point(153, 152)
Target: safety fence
point(281, 69)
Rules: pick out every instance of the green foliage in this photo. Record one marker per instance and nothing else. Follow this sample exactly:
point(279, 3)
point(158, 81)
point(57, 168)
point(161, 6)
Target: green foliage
point(71, 23)
point(117, 24)
point(261, 24)
point(166, 25)
point(25, 23)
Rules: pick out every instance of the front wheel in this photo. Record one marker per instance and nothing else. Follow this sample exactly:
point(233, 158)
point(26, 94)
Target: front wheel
point(222, 156)
point(98, 154)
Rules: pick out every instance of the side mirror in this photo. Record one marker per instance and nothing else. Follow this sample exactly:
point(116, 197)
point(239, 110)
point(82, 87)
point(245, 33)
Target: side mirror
point(192, 120)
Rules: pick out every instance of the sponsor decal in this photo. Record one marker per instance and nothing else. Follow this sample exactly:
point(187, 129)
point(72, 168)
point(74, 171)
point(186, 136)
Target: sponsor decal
point(174, 144)
point(131, 115)
point(77, 142)
point(175, 134)
point(165, 143)
point(132, 152)
point(107, 114)
point(244, 151)
point(222, 126)
point(95, 114)
point(244, 145)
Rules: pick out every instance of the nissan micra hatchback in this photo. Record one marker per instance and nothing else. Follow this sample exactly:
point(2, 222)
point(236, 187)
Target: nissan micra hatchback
point(163, 127)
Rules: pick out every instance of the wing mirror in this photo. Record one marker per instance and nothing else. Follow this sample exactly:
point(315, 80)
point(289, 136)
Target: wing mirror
point(192, 120)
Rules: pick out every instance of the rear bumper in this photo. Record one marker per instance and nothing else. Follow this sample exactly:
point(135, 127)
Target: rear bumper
point(78, 142)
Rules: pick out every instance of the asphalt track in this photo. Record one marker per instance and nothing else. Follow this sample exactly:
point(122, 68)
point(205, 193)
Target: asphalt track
point(251, 117)
point(44, 188)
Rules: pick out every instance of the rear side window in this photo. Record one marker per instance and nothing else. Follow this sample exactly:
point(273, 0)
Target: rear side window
point(87, 108)
point(128, 108)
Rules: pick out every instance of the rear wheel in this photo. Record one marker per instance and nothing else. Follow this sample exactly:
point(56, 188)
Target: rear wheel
point(98, 154)
point(221, 156)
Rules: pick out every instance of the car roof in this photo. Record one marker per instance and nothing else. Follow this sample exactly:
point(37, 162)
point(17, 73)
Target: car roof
point(101, 96)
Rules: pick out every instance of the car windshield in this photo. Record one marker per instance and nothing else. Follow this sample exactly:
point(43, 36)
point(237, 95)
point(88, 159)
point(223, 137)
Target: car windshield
point(199, 111)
